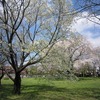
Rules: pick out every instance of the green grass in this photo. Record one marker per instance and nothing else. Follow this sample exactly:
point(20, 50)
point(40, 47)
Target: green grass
point(42, 89)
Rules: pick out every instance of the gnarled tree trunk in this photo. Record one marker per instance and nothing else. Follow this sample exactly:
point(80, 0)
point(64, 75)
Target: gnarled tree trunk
point(17, 83)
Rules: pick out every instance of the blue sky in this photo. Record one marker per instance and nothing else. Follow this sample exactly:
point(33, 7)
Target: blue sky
point(85, 27)
point(88, 29)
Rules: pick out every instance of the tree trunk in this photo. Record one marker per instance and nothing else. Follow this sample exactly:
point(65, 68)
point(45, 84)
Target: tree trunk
point(94, 72)
point(17, 84)
point(1, 77)
point(0, 82)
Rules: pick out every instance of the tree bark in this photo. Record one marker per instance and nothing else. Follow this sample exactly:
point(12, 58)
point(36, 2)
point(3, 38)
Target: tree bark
point(1, 77)
point(17, 83)
point(0, 82)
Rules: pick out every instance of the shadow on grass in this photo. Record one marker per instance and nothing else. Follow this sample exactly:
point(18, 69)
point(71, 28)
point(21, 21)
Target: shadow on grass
point(47, 92)
point(42, 92)
point(5, 90)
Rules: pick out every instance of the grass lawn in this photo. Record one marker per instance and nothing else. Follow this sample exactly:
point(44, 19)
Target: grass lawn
point(42, 89)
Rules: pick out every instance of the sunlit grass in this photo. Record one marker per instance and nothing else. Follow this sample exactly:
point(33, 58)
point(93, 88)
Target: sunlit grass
point(42, 89)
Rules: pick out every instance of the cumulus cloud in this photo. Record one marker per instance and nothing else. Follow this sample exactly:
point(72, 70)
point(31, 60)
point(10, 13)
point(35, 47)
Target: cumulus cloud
point(88, 28)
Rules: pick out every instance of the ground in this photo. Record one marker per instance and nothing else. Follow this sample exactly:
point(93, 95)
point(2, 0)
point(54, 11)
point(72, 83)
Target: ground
point(42, 89)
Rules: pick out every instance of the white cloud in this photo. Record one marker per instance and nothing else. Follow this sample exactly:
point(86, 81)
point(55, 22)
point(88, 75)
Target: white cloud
point(95, 42)
point(87, 28)
point(1, 8)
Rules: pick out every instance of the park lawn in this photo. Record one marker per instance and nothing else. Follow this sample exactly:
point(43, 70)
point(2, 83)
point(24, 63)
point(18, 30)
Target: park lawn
point(42, 89)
